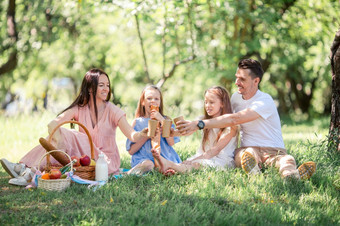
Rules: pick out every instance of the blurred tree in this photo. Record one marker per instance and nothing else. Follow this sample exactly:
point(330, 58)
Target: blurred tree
point(183, 46)
point(31, 28)
point(298, 70)
point(172, 53)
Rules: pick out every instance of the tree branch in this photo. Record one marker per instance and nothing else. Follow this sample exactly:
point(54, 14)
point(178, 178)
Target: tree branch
point(176, 38)
point(173, 69)
point(165, 76)
point(193, 40)
point(146, 68)
point(163, 39)
point(212, 34)
point(286, 6)
point(11, 26)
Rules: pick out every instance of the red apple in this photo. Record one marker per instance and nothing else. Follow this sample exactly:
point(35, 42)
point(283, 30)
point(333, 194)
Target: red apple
point(85, 160)
point(55, 174)
point(77, 163)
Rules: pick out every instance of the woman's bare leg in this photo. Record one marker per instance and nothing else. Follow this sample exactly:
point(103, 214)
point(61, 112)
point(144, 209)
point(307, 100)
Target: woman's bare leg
point(142, 168)
point(165, 164)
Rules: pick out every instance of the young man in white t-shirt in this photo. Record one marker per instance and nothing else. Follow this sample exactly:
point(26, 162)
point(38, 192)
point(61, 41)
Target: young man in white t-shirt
point(261, 137)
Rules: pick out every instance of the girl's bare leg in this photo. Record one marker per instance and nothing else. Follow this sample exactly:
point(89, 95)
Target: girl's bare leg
point(165, 164)
point(156, 144)
point(142, 168)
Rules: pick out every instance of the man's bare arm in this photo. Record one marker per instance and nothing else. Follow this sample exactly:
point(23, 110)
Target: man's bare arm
point(222, 121)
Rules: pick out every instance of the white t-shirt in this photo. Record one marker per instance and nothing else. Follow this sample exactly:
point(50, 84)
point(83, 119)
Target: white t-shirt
point(264, 131)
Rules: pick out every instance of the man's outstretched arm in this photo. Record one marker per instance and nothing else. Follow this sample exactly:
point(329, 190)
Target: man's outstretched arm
point(222, 121)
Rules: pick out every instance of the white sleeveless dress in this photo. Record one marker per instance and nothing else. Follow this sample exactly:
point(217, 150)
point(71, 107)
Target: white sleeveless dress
point(225, 159)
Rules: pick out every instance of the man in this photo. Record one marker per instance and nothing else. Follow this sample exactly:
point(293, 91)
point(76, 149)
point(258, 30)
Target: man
point(261, 137)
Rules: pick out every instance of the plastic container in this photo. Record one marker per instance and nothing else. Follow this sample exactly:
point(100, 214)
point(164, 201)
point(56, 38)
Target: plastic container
point(102, 170)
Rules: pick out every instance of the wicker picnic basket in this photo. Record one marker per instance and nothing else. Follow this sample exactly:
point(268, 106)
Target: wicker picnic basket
point(85, 172)
point(54, 184)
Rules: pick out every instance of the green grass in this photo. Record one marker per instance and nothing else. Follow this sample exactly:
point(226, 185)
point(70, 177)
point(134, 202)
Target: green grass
point(202, 197)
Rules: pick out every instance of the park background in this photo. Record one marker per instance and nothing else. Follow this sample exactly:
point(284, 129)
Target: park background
point(184, 47)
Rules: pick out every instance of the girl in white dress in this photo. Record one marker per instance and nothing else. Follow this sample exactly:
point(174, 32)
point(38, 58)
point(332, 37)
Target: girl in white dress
point(218, 145)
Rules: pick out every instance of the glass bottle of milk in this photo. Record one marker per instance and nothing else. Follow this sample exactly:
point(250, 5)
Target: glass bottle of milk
point(101, 168)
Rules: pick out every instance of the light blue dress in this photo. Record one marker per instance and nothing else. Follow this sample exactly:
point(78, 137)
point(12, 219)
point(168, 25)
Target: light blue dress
point(144, 153)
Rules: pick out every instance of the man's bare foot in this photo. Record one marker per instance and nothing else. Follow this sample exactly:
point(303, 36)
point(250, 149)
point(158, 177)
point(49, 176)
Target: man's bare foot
point(161, 165)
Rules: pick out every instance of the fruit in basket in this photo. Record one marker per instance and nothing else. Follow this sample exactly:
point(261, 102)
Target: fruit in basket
point(85, 160)
point(45, 176)
point(77, 163)
point(93, 163)
point(55, 174)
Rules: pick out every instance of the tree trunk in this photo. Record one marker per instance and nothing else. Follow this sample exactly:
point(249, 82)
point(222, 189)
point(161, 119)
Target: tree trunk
point(334, 129)
point(12, 61)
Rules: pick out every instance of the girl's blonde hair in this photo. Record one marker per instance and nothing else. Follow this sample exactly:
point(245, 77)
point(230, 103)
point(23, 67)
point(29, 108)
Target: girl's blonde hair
point(223, 95)
point(140, 111)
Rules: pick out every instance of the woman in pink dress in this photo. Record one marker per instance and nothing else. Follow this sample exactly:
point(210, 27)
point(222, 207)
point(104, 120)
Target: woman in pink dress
point(92, 109)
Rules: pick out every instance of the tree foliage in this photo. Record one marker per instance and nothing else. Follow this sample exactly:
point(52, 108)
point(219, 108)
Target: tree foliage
point(183, 46)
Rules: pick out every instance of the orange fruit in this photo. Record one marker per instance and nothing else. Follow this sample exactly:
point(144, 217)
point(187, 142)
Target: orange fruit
point(45, 176)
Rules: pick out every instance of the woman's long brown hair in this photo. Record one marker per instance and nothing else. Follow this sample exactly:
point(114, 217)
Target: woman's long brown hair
point(140, 111)
point(89, 83)
point(223, 95)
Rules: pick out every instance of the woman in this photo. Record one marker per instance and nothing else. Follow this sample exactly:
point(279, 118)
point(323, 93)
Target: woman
point(92, 109)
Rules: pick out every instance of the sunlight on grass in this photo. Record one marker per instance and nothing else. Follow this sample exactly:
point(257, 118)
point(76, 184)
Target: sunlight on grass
point(20, 134)
point(202, 197)
point(313, 130)
point(312, 135)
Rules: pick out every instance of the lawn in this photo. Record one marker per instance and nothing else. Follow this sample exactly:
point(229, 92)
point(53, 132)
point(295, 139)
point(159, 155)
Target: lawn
point(203, 197)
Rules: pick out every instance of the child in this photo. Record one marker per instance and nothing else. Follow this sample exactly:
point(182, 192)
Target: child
point(218, 145)
point(92, 109)
point(142, 160)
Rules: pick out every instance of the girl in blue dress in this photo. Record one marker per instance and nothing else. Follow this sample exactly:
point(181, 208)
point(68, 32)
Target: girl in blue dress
point(142, 160)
